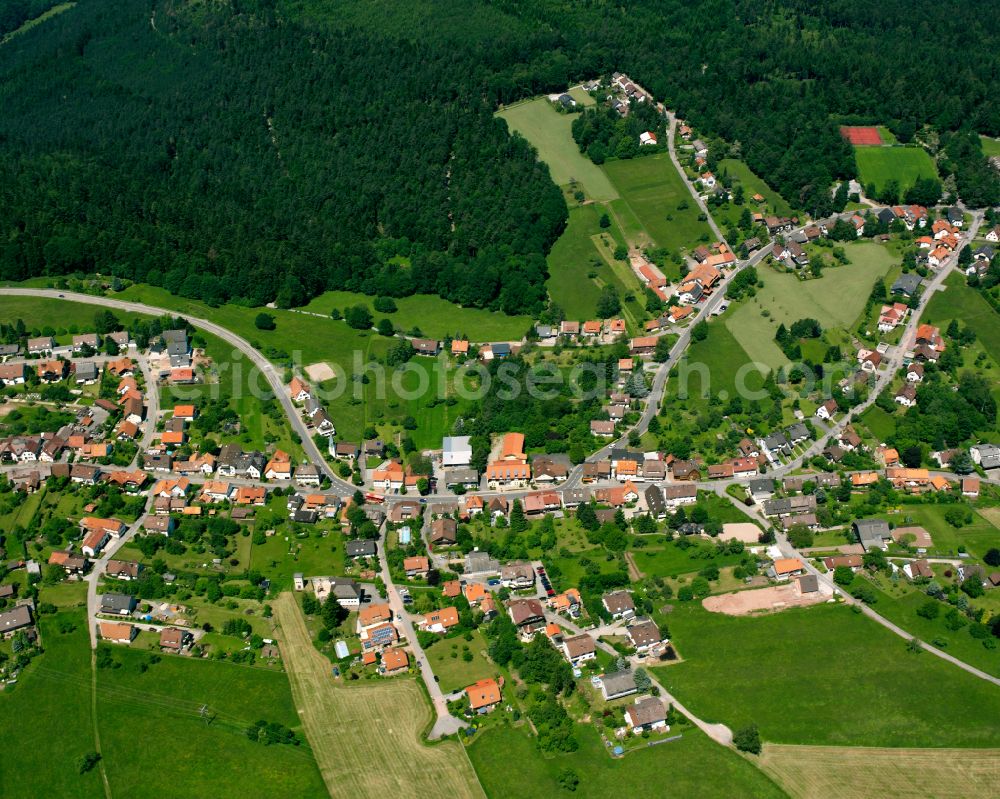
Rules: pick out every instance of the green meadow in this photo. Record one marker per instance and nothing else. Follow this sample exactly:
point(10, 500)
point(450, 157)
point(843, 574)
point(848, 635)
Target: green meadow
point(824, 675)
point(652, 190)
point(549, 132)
point(46, 717)
point(691, 767)
point(150, 712)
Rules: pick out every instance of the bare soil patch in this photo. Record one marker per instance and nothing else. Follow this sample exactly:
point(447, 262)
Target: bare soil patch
point(320, 372)
point(764, 600)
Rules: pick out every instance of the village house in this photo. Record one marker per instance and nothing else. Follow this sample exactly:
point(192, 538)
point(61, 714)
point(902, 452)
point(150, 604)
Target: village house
point(647, 714)
point(484, 695)
point(579, 649)
point(643, 635)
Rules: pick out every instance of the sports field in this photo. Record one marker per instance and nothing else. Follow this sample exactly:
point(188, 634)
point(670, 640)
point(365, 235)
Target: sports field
point(836, 300)
point(509, 764)
point(549, 132)
point(838, 772)
point(904, 164)
point(861, 135)
point(824, 675)
point(366, 737)
point(651, 189)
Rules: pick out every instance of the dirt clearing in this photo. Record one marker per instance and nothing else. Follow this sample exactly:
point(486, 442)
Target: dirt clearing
point(841, 772)
point(366, 736)
point(772, 598)
point(742, 531)
point(320, 372)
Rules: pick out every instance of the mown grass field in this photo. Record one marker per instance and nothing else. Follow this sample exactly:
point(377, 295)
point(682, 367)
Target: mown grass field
point(824, 675)
point(976, 537)
point(990, 146)
point(308, 339)
point(906, 165)
point(39, 313)
point(755, 185)
point(572, 258)
point(434, 316)
point(454, 673)
point(713, 366)
point(652, 189)
point(836, 300)
point(47, 719)
point(509, 764)
point(838, 772)
point(244, 388)
point(366, 737)
point(900, 605)
point(967, 305)
point(549, 133)
point(154, 716)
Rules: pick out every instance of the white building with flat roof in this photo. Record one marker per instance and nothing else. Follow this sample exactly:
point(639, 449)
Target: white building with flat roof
point(456, 451)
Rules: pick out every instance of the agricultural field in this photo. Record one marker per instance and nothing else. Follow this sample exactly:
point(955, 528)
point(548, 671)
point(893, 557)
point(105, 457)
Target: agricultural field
point(435, 316)
point(549, 132)
point(906, 165)
point(47, 716)
point(146, 706)
point(777, 670)
point(818, 772)
point(652, 190)
point(692, 766)
point(395, 761)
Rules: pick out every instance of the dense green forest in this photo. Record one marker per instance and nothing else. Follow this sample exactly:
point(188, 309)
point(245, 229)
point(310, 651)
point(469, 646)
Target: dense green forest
point(254, 150)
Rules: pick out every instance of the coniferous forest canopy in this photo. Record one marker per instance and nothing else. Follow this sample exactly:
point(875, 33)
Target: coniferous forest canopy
point(254, 150)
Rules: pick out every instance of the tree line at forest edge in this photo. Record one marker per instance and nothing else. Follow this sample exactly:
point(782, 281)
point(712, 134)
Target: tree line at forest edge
point(253, 155)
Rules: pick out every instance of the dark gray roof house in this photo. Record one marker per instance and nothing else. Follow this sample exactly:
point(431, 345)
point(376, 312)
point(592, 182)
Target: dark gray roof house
point(15, 618)
point(654, 501)
point(117, 604)
point(907, 284)
point(360, 549)
point(872, 532)
point(617, 684)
